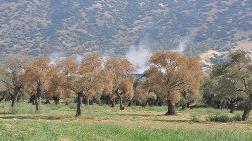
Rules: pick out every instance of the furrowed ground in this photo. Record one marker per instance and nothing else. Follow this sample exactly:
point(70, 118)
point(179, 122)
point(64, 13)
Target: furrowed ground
point(106, 123)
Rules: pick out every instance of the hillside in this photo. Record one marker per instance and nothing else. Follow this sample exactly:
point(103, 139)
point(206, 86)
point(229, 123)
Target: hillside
point(43, 27)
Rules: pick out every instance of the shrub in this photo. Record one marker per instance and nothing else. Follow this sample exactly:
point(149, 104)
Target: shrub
point(225, 118)
point(72, 106)
point(195, 118)
point(220, 118)
point(237, 117)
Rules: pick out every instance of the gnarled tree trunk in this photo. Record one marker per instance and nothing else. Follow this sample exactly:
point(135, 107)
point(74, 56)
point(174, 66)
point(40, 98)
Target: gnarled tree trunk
point(87, 100)
point(14, 98)
point(184, 107)
point(47, 100)
point(232, 106)
point(2, 98)
point(120, 99)
point(32, 99)
point(112, 103)
point(171, 108)
point(121, 103)
point(56, 99)
point(37, 103)
point(15, 95)
point(38, 96)
point(246, 111)
point(79, 103)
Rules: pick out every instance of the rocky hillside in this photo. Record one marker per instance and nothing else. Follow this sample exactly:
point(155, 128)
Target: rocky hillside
point(42, 27)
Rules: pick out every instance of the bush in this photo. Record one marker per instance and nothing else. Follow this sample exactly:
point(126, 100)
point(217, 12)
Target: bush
point(195, 118)
point(72, 106)
point(237, 117)
point(220, 118)
point(225, 118)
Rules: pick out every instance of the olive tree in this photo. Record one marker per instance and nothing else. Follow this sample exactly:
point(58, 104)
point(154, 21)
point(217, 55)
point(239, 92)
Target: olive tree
point(170, 73)
point(14, 67)
point(82, 78)
point(119, 80)
point(235, 80)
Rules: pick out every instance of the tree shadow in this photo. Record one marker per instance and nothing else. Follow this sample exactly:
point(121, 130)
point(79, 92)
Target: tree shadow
point(178, 121)
point(133, 114)
point(32, 117)
point(7, 113)
point(183, 121)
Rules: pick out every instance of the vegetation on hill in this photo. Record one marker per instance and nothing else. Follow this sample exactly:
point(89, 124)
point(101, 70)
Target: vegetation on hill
point(111, 26)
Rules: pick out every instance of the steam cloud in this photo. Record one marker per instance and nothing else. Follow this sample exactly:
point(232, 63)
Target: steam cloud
point(56, 57)
point(138, 56)
point(182, 46)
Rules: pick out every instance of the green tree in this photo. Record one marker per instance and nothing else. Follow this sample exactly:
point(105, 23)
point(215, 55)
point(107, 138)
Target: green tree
point(234, 81)
point(13, 68)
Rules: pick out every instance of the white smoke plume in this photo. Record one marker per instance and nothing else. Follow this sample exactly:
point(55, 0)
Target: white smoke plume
point(138, 56)
point(182, 46)
point(56, 57)
point(78, 58)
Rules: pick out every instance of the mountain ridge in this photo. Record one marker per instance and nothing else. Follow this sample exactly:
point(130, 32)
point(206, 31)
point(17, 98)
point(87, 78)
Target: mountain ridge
point(111, 27)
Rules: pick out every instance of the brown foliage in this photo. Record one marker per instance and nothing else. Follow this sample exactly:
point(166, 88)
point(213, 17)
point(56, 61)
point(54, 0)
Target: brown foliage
point(56, 81)
point(36, 77)
point(83, 79)
point(170, 73)
point(37, 72)
point(119, 80)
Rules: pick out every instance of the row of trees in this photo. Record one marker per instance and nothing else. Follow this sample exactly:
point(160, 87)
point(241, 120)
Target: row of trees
point(170, 77)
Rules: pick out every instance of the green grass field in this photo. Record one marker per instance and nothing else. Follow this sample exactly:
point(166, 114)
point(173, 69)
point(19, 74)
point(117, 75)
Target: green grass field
point(106, 123)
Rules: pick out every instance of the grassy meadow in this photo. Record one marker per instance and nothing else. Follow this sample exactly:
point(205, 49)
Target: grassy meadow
point(57, 123)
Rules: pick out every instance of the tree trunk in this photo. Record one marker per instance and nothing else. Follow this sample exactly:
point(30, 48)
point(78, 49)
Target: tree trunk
point(15, 95)
point(47, 101)
point(37, 103)
point(107, 100)
point(32, 99)
point(183, 107)
point(119, 95)
point(121, 103)
point(187, 104)
point(171, 108)
point(87, 99)
point(245, 115)
point(112, 102)
point(218, 105)
point(38, 96)
point(79, 102)
point(14, 99)
point(56, 100)
point(232, 107)
point(1, 99)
